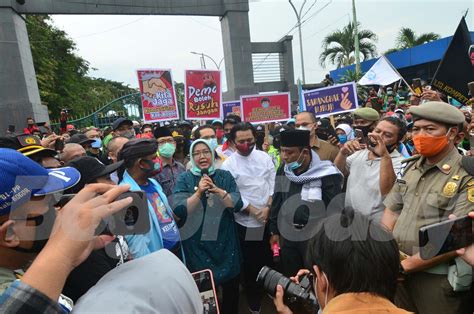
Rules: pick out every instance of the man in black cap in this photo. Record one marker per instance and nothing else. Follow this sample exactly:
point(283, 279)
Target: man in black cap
point(123, 127)
point(30, 146)
point(171, 168)
point(141, 165)
point(307, 121)
point(304, 187)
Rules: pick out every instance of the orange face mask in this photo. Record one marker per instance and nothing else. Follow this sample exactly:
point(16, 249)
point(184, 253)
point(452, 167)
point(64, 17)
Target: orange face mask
point(429, 146)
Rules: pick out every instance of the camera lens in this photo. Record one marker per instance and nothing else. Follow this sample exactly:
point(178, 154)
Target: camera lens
point(270, 278)
point(131, 216)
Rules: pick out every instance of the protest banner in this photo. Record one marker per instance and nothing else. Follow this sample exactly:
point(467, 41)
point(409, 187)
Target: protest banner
point(456, 68)
point(266, 108)
point(331, 100)
point(157, 95)
point(203, 94)
point(230, 107)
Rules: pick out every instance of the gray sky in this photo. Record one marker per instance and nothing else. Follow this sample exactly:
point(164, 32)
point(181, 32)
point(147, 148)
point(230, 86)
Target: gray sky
point(118, 45)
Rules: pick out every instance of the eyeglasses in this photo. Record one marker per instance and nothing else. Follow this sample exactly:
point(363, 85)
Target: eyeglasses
point(206, 153)
point(170, 141)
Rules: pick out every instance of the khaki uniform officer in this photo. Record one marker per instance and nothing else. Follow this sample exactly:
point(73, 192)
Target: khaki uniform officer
point(433, 185)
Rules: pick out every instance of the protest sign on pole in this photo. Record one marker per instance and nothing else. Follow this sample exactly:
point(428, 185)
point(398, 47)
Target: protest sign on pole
point(331, 100)
point(266, 108)
point(456, 68)
point(230, 107)
point(157, 95)
point(203, 94)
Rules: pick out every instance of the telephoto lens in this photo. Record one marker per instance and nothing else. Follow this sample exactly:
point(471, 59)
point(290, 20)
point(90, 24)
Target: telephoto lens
point(294, 293)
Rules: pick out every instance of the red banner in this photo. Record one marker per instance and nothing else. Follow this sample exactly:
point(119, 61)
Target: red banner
point(203, 95)
point(158, 96)
point(266, 108)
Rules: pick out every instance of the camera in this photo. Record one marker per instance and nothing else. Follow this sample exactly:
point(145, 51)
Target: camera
point(294, 293)
point(133, 219)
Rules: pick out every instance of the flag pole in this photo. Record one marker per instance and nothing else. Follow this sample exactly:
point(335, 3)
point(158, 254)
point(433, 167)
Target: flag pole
point(393, 68)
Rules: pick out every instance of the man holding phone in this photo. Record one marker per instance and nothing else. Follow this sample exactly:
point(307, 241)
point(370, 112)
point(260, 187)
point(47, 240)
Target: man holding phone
point(375, 164)
point(433, 185)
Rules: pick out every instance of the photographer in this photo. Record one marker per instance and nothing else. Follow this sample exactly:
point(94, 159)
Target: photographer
point(355, 264)
point(27, 232)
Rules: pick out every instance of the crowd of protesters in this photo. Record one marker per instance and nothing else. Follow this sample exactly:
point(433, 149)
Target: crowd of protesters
point(340, 198)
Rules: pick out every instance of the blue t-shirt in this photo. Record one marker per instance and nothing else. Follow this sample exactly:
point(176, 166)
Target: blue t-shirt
point(169, 229)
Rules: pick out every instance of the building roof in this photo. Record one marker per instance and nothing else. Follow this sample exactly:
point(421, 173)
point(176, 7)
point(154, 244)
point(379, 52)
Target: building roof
point(429, 52)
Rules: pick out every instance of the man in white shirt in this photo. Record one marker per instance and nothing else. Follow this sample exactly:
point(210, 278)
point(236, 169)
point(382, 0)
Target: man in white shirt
point(254, 173)
point(372, 169)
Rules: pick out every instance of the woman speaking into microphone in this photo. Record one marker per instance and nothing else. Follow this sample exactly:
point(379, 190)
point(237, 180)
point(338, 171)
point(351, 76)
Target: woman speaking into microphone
point(205, 200)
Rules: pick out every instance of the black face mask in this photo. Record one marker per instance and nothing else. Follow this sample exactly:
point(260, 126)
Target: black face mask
point(44, 225)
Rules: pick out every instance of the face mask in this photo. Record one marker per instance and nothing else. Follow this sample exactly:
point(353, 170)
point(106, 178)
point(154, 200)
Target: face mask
point(304, 128)
point(97, 143)
point(245, 149)
point(44, 225)
point(265, 104)
point(155, 167)
point(130, 134)
point(429, 146)
point(342, 138)
point(226, 136)
point(167, 150)
point(213, 144)
point(219, 134)
point(296, 164)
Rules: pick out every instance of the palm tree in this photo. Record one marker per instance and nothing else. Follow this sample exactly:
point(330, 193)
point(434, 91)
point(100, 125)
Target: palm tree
point(407, 38)
point(338, 47)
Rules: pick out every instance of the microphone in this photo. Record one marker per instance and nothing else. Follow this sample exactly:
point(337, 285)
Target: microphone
point(205, 172)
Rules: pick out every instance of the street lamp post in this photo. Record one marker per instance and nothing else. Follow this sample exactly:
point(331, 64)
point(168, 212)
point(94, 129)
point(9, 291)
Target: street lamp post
point(298, 18)
point(356, 38)
point(203, 62)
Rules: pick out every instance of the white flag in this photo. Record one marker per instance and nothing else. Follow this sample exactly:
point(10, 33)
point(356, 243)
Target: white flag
point(381, 73)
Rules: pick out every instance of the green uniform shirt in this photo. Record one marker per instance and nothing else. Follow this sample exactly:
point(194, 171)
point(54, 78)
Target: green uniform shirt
point(427, 194)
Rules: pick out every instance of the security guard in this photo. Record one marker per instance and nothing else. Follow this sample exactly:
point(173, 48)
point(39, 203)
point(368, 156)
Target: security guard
point(433, 186)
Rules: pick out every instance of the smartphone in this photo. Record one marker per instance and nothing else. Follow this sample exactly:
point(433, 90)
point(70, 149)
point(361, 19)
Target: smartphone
point(11, 128)
point(445, 236)
point(59, 145)
point(360, 136)
point(416, 84)
point(207, 289)
point(133, 219)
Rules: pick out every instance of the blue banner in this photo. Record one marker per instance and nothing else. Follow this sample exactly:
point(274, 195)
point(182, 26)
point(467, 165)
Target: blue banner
point(331, 100)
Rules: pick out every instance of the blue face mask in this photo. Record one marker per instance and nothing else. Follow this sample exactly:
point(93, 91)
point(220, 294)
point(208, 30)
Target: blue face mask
point(296, 164)
point(213, 143)
point(97, 143)
point(342, 138)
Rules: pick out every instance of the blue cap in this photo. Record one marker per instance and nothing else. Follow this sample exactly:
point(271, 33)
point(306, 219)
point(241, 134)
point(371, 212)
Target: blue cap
point(22, 178)
point(292, 120)
point(217, 121)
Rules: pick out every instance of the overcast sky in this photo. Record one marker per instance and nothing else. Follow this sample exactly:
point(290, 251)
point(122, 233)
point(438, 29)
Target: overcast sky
point(118, 45)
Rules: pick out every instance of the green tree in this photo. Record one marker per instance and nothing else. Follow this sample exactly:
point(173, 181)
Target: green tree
point(62, 75)
point(407, 38)
point(339, 49)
